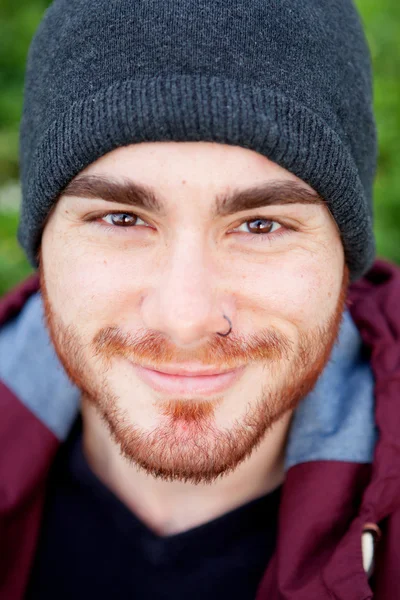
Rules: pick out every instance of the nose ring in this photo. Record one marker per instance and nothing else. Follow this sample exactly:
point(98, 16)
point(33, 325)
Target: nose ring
point(230, 327)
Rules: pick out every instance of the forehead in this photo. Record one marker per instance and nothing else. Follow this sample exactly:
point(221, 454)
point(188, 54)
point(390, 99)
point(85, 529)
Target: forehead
point(197, 164)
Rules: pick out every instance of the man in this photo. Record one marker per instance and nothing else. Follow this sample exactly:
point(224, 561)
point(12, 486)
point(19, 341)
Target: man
point(196, 402)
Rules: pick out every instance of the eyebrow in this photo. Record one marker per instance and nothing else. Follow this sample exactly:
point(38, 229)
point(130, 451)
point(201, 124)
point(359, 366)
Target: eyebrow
point(126, 191)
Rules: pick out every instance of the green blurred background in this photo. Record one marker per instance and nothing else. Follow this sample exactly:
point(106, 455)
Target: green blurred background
point(18, 22)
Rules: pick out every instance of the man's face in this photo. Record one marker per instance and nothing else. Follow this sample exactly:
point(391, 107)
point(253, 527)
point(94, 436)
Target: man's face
point(133, 283)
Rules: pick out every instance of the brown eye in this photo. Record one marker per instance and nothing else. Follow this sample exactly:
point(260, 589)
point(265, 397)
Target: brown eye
point(121, 219)
point(260, 226)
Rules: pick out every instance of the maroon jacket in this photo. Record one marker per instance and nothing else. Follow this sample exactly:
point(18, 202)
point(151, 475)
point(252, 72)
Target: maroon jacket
point(325, 504)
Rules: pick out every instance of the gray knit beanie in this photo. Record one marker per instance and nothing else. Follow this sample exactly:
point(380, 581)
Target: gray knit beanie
point(289, 79)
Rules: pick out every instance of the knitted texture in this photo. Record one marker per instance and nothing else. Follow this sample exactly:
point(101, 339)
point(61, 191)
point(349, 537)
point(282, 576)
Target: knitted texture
point(288, 79)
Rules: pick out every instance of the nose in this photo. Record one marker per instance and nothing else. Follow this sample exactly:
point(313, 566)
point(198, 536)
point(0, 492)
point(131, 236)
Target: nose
point(183, 303)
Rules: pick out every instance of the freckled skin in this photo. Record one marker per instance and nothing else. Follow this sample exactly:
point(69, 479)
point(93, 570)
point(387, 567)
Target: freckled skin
point(178, 277)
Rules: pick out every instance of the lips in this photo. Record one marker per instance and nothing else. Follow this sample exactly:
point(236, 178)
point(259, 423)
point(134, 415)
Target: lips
point(189, 370)
point(186, 381)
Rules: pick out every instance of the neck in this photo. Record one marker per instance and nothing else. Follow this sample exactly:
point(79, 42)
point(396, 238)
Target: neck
point(172, 507)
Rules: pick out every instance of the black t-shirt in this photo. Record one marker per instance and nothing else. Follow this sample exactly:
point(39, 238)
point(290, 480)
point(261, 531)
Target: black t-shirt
point(92, 546)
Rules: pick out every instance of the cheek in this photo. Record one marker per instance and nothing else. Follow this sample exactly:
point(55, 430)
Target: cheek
point(86, 289)
point(300, 292)
point(313, 295)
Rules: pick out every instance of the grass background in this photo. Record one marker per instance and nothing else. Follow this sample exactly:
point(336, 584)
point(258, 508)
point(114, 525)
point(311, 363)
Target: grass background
point(18, 22)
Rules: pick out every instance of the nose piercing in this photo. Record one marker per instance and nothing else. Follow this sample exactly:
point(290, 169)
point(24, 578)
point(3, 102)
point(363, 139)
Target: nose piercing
point(230, 327)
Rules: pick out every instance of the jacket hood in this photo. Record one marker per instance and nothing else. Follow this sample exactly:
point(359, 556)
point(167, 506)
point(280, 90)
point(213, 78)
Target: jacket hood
point(328, 506)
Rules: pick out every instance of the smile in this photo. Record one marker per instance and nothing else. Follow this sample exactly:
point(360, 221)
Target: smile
point(170, 383)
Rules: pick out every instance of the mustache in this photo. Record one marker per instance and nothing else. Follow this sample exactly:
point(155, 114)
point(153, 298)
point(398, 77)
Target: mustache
point(154, 350)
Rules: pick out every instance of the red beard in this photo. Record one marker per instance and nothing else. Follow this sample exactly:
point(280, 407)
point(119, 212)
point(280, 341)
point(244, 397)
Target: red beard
point(188, 446)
